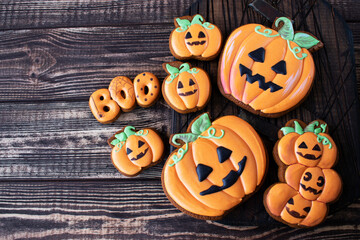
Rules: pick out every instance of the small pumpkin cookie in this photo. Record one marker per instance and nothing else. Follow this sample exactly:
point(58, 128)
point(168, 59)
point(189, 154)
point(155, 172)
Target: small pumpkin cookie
point(133, 151)
point(305, 155)
point(195, 38)
point(104, 109)
point(122, 91)
point(186, 89)
point(265, 71)
point(147, 89)
point(217, 166)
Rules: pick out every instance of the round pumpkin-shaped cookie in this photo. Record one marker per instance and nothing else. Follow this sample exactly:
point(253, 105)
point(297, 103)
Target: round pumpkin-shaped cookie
point(104, 109)
point(122, 91)
point(305, 155)
point(195, 38)
point(186, 89)
point(265, 71)
point(216, 167)
point(133, 151)
point(147, 89)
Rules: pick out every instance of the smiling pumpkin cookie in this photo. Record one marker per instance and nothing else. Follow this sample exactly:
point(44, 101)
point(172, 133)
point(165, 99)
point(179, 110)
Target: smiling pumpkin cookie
point(217, 166)
point(133, 151)
point(305, 155)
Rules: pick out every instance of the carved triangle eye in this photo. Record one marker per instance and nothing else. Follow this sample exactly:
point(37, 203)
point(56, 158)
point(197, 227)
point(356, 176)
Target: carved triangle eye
point(258, 55)
point(140, 143)
point(303, 145)
point(223, 154)
point(316, 148)
point(280, 67)
point(203, 171)
point(128, 151)
point(291, 201)
point(201, 35)
point(307, 209)
point(191, 82)
point(188, 35)
point(180, 85)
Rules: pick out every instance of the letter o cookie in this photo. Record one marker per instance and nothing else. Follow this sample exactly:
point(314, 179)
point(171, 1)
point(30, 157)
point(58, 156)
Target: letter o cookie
point(122, 91)
point(103, 107)
point(146, 87)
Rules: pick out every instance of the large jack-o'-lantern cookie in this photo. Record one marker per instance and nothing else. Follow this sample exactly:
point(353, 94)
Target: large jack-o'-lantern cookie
point(265, 71)
point(195, 38)
point(133, 151)
point(217, 166)
point(186, 89)
point(305, 155)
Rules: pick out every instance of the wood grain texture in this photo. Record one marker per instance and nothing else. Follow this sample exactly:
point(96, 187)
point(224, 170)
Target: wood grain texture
point(129, 209)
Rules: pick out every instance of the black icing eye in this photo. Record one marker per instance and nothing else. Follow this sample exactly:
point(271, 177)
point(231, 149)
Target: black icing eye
point(307, 176)
point(258, 55)
point(223, 154)
point(140, 143)
point(188, 35)
point(303, 145)
point(280, 67)
point(128, 151)
point(203, 171)
point(191, 82)
point(307, 209)
point(201, 35)
point(320, 181)
point(291, 201)
point(316, 148)
point(180, 85)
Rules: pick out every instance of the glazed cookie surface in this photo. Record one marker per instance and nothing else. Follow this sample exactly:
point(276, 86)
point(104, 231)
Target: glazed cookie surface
point(186, 89)
point(133, 151)
point(195, 38)
point(265, 71)
point(217, 166)
point(104, 109)
point(305, 155)
point(147, 89)
point(122, 91)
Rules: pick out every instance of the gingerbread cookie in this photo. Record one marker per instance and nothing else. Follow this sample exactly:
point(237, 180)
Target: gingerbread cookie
point(147, 89)
point(305, 155)
point(217, 166)
point(265, 71)
point(133, 151)
point(186, 89)
point(122, 91)
point(195, 38)
point(104, 109)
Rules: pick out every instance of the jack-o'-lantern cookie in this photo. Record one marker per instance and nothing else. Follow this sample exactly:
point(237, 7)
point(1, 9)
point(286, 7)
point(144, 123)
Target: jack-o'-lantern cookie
point(133, 151)
point(217, 166)
point(186, 89)
point(265, 71)
point(305, 155)
point(147, 89)
point(104, 109)
point(122, 91)
point(195, 38)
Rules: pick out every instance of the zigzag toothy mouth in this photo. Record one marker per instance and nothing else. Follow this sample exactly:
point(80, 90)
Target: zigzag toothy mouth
point(309, 156)
point(196, 43)
point(310, 189)
point(188, 93)
point(140, 155)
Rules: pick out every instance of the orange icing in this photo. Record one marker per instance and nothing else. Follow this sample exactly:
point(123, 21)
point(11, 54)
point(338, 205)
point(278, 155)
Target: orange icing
point(122, 91)
point(141, 82)
point(102, 107)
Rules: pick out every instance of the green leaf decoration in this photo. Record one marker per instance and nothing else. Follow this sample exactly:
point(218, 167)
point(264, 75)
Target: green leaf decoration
point(198, 19)
point(171, 69)
point(298, 128)
point(305, 40)
point(185, 137)
point(129, 130)
point(317, 131)
point(201, 124)
point(184, 67)
point(121, 136)
point(183, 23)
point(287, 130)
point(323, 127)
point(311, 126)
point(287, 30)
point(115, 141)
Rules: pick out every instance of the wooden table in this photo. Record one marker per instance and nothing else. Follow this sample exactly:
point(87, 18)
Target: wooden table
point(57, 180)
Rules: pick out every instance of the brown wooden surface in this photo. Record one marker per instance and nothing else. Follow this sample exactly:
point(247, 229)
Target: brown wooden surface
point(56, 177)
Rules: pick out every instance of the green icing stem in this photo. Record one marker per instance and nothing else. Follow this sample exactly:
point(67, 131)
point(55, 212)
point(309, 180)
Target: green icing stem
point(119, 145)
point(296, 50)
point(185, 67)
point(181, 152)
point(142, 132)
point(184, 24)
point(325, 140)
point(267, 32)
point(212, 132)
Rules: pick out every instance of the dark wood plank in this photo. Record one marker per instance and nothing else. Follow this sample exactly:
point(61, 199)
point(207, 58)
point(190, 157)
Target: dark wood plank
point(349, 9)
point(18, 14)
point(131, 209)
point(64, 141)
